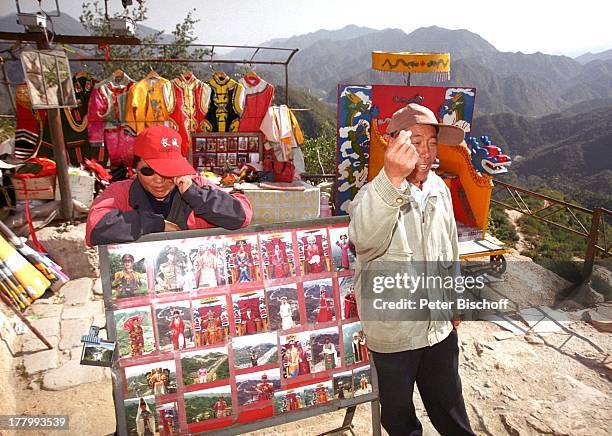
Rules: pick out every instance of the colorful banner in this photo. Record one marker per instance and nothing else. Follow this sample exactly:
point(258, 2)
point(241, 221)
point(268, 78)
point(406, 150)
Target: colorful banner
point(354, 106)
point(408, 62)
point(363, 115)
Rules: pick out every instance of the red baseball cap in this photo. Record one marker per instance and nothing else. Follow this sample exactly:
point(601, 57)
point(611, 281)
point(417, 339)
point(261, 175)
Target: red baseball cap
point(160, 147)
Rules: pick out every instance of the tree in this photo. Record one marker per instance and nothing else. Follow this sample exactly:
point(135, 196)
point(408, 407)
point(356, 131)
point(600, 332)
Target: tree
point(94, 21)
point(320, 151)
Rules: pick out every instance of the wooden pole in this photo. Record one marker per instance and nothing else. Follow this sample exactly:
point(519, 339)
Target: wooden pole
point(59, 152)
point(589, 257)
point(26, 321)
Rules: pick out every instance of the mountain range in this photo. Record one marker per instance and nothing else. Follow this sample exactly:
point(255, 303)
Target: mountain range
point(568, 151)
point(529, 84)
point(553, 113)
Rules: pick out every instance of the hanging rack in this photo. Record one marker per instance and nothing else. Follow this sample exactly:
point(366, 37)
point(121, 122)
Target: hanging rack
point(248, 59)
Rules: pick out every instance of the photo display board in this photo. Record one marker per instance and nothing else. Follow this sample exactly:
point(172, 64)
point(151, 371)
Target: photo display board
point(217, 152)
point(226, 328)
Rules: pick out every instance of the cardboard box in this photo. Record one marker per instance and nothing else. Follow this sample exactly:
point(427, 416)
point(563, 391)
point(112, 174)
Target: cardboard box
point(39, 188)
point(81, 188)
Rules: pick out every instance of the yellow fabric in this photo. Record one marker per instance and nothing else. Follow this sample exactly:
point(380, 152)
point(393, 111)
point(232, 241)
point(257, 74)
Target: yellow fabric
point(32, 280)
point(297, 132)
point(377, 151)
point(408, 62)
point(150, 102)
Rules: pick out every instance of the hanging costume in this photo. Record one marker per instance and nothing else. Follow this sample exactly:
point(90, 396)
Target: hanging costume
point(74, 125)
point(284, 136)
point(149, 103)
point(226, 104)
point(259, 96)
point(191, 100)
point(106, 116)
point(29, 124)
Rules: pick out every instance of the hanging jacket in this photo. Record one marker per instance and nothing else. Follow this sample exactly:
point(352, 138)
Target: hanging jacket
point(29, 124)
point(74, 125)
point(282, 132)
point(149, 103)
point(106, 119)
point(226, 104)
point(259, 96)
point(191, 100)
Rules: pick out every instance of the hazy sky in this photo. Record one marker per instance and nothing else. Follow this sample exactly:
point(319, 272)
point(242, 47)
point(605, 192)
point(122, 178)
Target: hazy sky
point(552, 27)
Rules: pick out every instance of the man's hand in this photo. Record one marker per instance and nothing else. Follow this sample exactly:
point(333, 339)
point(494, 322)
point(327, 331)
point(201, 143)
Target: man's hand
point(183, 183)
point(170, 226)
point(400, 158)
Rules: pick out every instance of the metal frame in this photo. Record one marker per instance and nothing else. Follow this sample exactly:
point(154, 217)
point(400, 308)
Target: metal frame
point(594, 225)
point(349, 404)
point(96, 41)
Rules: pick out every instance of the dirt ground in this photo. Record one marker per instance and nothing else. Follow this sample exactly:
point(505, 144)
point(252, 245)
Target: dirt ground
point(559, 384)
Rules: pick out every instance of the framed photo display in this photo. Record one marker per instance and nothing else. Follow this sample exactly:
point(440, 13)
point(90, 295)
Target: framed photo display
point(223, 329)
point(221, 152)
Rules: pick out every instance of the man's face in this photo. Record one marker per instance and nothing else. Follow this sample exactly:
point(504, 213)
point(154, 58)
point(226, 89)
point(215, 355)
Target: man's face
point(128, 265)
point(425, 140)
point(156, 185)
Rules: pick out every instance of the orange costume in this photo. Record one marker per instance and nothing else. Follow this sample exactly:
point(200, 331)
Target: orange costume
point(321, 395)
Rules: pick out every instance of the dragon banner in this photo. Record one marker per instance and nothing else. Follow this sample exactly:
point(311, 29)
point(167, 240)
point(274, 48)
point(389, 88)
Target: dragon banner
point(363, 114)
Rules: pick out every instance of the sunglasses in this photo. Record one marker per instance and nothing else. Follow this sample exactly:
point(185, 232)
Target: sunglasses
point(147, 171)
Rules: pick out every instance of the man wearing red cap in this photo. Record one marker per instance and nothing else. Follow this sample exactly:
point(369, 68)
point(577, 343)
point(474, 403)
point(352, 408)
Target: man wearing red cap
point(163, 196)
point(403, 220)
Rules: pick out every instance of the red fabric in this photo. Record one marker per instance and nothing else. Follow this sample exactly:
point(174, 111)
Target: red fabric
point(116, 197)
point(189, 112)
point(28, 124)
point(282, 171)
point(35, 240)
point(256, 106)
point(47, 168)
point(388, 99)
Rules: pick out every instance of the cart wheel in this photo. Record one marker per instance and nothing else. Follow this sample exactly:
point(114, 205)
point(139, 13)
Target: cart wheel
point(498, 264)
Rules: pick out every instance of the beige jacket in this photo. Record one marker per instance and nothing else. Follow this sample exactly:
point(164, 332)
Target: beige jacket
point(387, 224)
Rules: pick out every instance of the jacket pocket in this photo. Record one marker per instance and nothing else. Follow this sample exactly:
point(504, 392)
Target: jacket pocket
point(397, 255)
point(445, 262)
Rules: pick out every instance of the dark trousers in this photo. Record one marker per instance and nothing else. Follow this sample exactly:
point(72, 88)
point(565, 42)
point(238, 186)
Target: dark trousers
point(436, 373)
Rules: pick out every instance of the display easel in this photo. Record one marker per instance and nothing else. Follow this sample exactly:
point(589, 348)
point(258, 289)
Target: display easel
point(349, 404)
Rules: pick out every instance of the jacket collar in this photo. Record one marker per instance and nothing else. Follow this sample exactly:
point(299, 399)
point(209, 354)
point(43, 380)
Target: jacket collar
point(137, 197)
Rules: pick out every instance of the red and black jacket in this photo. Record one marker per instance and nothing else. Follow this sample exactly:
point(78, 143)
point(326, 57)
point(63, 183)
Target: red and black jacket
point(122, 213)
